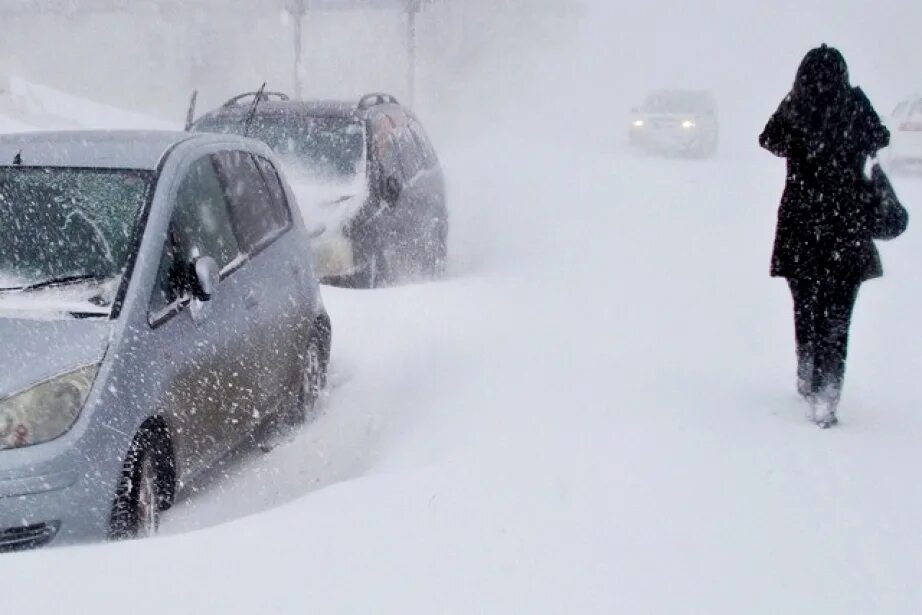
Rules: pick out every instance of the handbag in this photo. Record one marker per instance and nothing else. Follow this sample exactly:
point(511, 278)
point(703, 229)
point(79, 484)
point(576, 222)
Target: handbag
point(889, 218)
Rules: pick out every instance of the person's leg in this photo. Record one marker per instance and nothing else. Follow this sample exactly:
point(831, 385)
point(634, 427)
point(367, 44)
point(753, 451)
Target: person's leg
point(805, 296)
point(836, 302)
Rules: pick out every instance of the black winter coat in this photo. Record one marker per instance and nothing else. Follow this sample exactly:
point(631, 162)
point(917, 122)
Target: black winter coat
point(826, 130)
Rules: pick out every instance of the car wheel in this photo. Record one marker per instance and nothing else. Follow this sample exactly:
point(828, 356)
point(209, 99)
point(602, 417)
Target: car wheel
point(280, 427)
point(316, 362)
point(375, 271)
point(142, 493)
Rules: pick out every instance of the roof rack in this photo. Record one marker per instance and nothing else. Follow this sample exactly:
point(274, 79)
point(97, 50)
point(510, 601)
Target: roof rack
point(373, 100)
point(263, 97)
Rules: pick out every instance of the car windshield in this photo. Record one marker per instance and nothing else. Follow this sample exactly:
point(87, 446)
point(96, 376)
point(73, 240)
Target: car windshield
point(65, 231)
point(331, 148)
point(678, 102)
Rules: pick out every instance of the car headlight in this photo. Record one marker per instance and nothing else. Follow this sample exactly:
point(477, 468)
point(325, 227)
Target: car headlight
point(638, 123)
point(333, 255)
point(688, 124)
point(45, 411)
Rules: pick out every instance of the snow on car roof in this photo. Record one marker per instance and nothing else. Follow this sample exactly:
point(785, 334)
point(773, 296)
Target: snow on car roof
point(118, 149)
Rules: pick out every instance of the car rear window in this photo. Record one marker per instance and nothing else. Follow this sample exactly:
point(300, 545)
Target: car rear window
point(255, 212)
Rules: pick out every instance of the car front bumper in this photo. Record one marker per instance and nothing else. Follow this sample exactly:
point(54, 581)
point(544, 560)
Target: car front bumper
point(670, 138)
point(333, 256)
point(53, 501)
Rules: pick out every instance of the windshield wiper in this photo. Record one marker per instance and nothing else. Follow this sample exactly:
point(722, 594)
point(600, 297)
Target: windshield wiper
point(61, 281)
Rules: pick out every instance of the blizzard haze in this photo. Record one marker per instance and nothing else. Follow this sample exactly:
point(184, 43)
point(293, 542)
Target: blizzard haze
point(595, 410)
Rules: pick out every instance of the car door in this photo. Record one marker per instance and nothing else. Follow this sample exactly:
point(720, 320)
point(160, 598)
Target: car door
point(415, 204)
point(386, 219)
point(201, 342)
point(431, 179)
point(282, 253)
point(275, 309)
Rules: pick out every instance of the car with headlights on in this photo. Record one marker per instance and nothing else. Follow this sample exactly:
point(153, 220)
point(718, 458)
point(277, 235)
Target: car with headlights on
point(157, 309)
point(905, 124)
point(676, 123)
point(367, 177)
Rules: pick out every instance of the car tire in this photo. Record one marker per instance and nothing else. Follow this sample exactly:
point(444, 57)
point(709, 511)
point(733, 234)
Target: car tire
point(316, 363)
point(280, 427)
point(145, 489)
point(375, 271)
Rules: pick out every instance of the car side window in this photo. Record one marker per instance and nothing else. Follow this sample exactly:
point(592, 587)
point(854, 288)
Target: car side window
point(280, 209)
point(387, 158)
point(171, 283)
point(408, 152)
point(254, 211)
point(200, 226)
point(427, 152)
point(201, 220)
point(398, 117)
point(381, 128)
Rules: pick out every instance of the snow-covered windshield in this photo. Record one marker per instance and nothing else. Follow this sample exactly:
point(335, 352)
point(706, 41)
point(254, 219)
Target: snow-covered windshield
point(331, 149)
point(64, 229)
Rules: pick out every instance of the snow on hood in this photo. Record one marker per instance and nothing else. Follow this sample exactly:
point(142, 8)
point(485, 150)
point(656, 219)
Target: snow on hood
point(58, 303)
point(35, 350)
point(328, 205)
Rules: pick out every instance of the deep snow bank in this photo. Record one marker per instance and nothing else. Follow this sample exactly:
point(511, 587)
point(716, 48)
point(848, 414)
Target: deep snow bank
point(35, 105)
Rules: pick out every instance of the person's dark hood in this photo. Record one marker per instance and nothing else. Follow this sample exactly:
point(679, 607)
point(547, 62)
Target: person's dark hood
point(822, 76)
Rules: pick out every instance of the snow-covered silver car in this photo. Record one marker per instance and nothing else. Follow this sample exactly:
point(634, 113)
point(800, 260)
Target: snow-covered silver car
point(677, 123)
point(157, 308)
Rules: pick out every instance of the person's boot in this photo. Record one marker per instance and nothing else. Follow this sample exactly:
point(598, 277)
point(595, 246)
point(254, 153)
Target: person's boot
point(824, 406)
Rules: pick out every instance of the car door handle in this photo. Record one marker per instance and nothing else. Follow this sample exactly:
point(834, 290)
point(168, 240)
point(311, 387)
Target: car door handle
point(251, 301)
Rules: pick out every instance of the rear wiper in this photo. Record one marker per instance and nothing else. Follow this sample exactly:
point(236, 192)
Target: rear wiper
point(62, 281)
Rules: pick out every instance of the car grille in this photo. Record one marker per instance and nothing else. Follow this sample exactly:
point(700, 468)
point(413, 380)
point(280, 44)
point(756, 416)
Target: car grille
point(27, 536)
point(665, 123)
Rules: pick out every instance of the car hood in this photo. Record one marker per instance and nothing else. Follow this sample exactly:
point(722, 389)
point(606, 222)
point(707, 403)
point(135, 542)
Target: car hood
point(35, 350)
point(671, 116)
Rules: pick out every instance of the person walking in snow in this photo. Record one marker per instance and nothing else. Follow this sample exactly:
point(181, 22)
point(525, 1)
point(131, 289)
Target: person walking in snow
point(827, 130)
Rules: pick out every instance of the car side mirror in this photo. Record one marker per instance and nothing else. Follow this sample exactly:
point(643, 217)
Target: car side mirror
point(392, 191)
point(207, 275)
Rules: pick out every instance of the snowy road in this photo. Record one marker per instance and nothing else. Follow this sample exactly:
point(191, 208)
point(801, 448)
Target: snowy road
point(594, 413)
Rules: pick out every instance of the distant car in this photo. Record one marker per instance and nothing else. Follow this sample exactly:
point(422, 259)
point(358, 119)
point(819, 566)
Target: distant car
point(906, 134)
point(157, 308)
point(676, 122)
point(366, 175)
